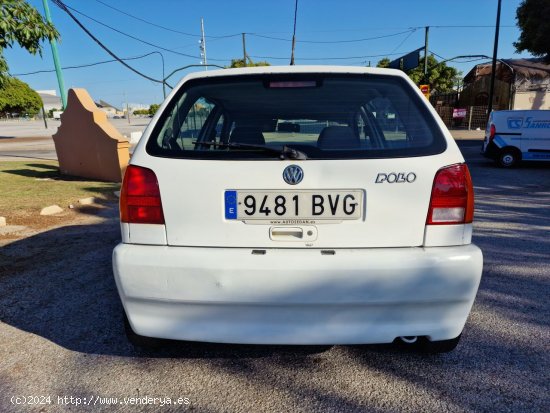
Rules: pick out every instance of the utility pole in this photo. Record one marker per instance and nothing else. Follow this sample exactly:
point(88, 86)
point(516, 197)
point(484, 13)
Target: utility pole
point(494, 64)
point(244, 49)
point(202, 42)
point(126, 104)
point(58, 71)
point(426, 55)
point(294, 34)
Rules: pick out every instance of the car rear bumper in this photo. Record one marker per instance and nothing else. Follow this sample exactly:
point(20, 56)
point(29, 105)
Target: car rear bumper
point(297, 296)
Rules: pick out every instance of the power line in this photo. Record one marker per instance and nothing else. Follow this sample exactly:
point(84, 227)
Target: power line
point(412, 30)
point(451, 26)
point(404, 40)
point(385, 28)
point(84, 65)
point(57, 2)
point(146, 21)
point(121, 32)
point(327, 58)
point(435, 54)
point(62, 6)
point(164, 27)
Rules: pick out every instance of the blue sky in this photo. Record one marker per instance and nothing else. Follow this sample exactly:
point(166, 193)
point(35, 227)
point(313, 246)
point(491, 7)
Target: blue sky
point(393, 21)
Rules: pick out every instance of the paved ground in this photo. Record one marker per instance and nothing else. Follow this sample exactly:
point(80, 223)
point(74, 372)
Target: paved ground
point(21, 140)
point(35, 128)
point(61, 330)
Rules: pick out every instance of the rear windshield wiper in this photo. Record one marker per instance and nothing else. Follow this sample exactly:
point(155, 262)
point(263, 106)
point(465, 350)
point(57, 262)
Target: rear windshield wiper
point(284, 152)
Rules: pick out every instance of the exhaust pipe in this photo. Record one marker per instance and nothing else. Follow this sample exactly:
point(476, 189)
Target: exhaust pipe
point(409, 339)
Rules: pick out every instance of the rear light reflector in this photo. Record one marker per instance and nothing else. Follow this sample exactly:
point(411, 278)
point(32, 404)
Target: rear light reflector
point(452, 200)
point(140, 197)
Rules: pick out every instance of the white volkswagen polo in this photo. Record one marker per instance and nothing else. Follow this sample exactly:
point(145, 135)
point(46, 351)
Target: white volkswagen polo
point(297, 205)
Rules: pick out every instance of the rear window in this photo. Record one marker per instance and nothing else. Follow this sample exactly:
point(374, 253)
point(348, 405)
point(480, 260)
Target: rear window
point(321, 116)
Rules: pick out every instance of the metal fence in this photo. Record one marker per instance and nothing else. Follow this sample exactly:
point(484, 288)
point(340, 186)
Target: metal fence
point(475, 117)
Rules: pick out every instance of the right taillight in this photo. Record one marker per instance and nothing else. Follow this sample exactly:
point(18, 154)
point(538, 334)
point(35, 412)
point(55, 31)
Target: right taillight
point(452, 200)
point(492, 132)
point(140, 197)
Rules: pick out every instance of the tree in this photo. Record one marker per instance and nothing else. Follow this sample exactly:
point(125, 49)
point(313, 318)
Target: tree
point(22, 24)
point(16, 96)
point(533, 19)
point(441, 77)
point(153, 109)
point(52, 110)
point(385, 62)
point(249, 63)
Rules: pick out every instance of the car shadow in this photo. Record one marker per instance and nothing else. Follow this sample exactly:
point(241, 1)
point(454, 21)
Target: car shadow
point(59, 285)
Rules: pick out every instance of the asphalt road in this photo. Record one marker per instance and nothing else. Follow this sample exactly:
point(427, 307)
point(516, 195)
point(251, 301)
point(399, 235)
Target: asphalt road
point(25, 140)
point(61, 330)
point(29, 139)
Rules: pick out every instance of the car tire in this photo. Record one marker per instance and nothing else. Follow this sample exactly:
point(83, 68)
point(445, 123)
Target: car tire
point(508, 158)
point(142, 342)
point(423, 345)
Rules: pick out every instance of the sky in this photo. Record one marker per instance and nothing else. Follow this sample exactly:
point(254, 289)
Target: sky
point(343, 32)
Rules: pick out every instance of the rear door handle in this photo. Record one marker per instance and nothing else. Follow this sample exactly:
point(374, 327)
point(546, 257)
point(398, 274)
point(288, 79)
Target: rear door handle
point(286, 233)
point(302, 233)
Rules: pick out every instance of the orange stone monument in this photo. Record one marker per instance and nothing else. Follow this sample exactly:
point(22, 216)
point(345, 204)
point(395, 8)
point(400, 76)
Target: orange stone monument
point(87, 145)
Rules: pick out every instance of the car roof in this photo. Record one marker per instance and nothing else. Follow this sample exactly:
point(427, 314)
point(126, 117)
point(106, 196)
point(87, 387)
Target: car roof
point(260, 70)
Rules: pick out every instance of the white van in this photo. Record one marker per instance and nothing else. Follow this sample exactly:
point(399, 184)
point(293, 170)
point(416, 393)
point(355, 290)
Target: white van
point(517, 135)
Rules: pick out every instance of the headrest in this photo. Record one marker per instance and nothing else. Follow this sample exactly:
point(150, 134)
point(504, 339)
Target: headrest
point(247, 135)
point(337, 137)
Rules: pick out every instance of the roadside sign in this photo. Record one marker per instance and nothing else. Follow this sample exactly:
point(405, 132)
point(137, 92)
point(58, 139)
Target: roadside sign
point(425, 89)
point(407, 62)
point(459, 113)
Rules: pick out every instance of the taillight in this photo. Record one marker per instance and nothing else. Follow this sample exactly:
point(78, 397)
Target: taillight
point(492, 132)
point(452, 200)
point(140, 197)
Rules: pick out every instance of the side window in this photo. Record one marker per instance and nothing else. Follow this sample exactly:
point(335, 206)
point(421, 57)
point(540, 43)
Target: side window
point(389, 122)
point(194, 122)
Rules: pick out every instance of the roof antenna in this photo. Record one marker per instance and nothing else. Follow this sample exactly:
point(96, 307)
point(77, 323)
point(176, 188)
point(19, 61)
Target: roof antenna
point(294, 35)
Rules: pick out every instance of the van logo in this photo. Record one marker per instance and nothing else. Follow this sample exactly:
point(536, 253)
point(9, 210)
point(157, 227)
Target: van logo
point(515, 123)
point(396, 178)
point(293, 174)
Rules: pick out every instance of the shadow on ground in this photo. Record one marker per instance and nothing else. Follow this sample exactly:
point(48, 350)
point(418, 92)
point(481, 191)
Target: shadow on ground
point(44, 171)
point(59, 285)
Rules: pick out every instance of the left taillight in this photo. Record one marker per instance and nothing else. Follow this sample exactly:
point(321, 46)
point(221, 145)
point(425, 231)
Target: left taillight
point(140, 197)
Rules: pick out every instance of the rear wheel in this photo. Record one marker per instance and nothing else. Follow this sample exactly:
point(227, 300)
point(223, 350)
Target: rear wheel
point(508, 157)
point(140, 341)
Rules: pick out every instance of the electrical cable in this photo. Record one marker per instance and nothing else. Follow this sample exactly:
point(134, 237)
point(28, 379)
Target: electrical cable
point(84, 65)
point(404, 40)
point(164, 27)
point(57, 2)
point(62, 6)
point(327, 58)
point(332, 41)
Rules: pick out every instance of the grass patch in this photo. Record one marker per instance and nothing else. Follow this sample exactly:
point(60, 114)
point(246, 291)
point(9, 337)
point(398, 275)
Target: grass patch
point(27, 187)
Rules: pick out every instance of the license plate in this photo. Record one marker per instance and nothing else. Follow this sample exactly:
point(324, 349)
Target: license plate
point(304, 204)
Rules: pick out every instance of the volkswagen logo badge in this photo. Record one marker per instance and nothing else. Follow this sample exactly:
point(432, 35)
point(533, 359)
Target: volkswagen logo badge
point(293, 174)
